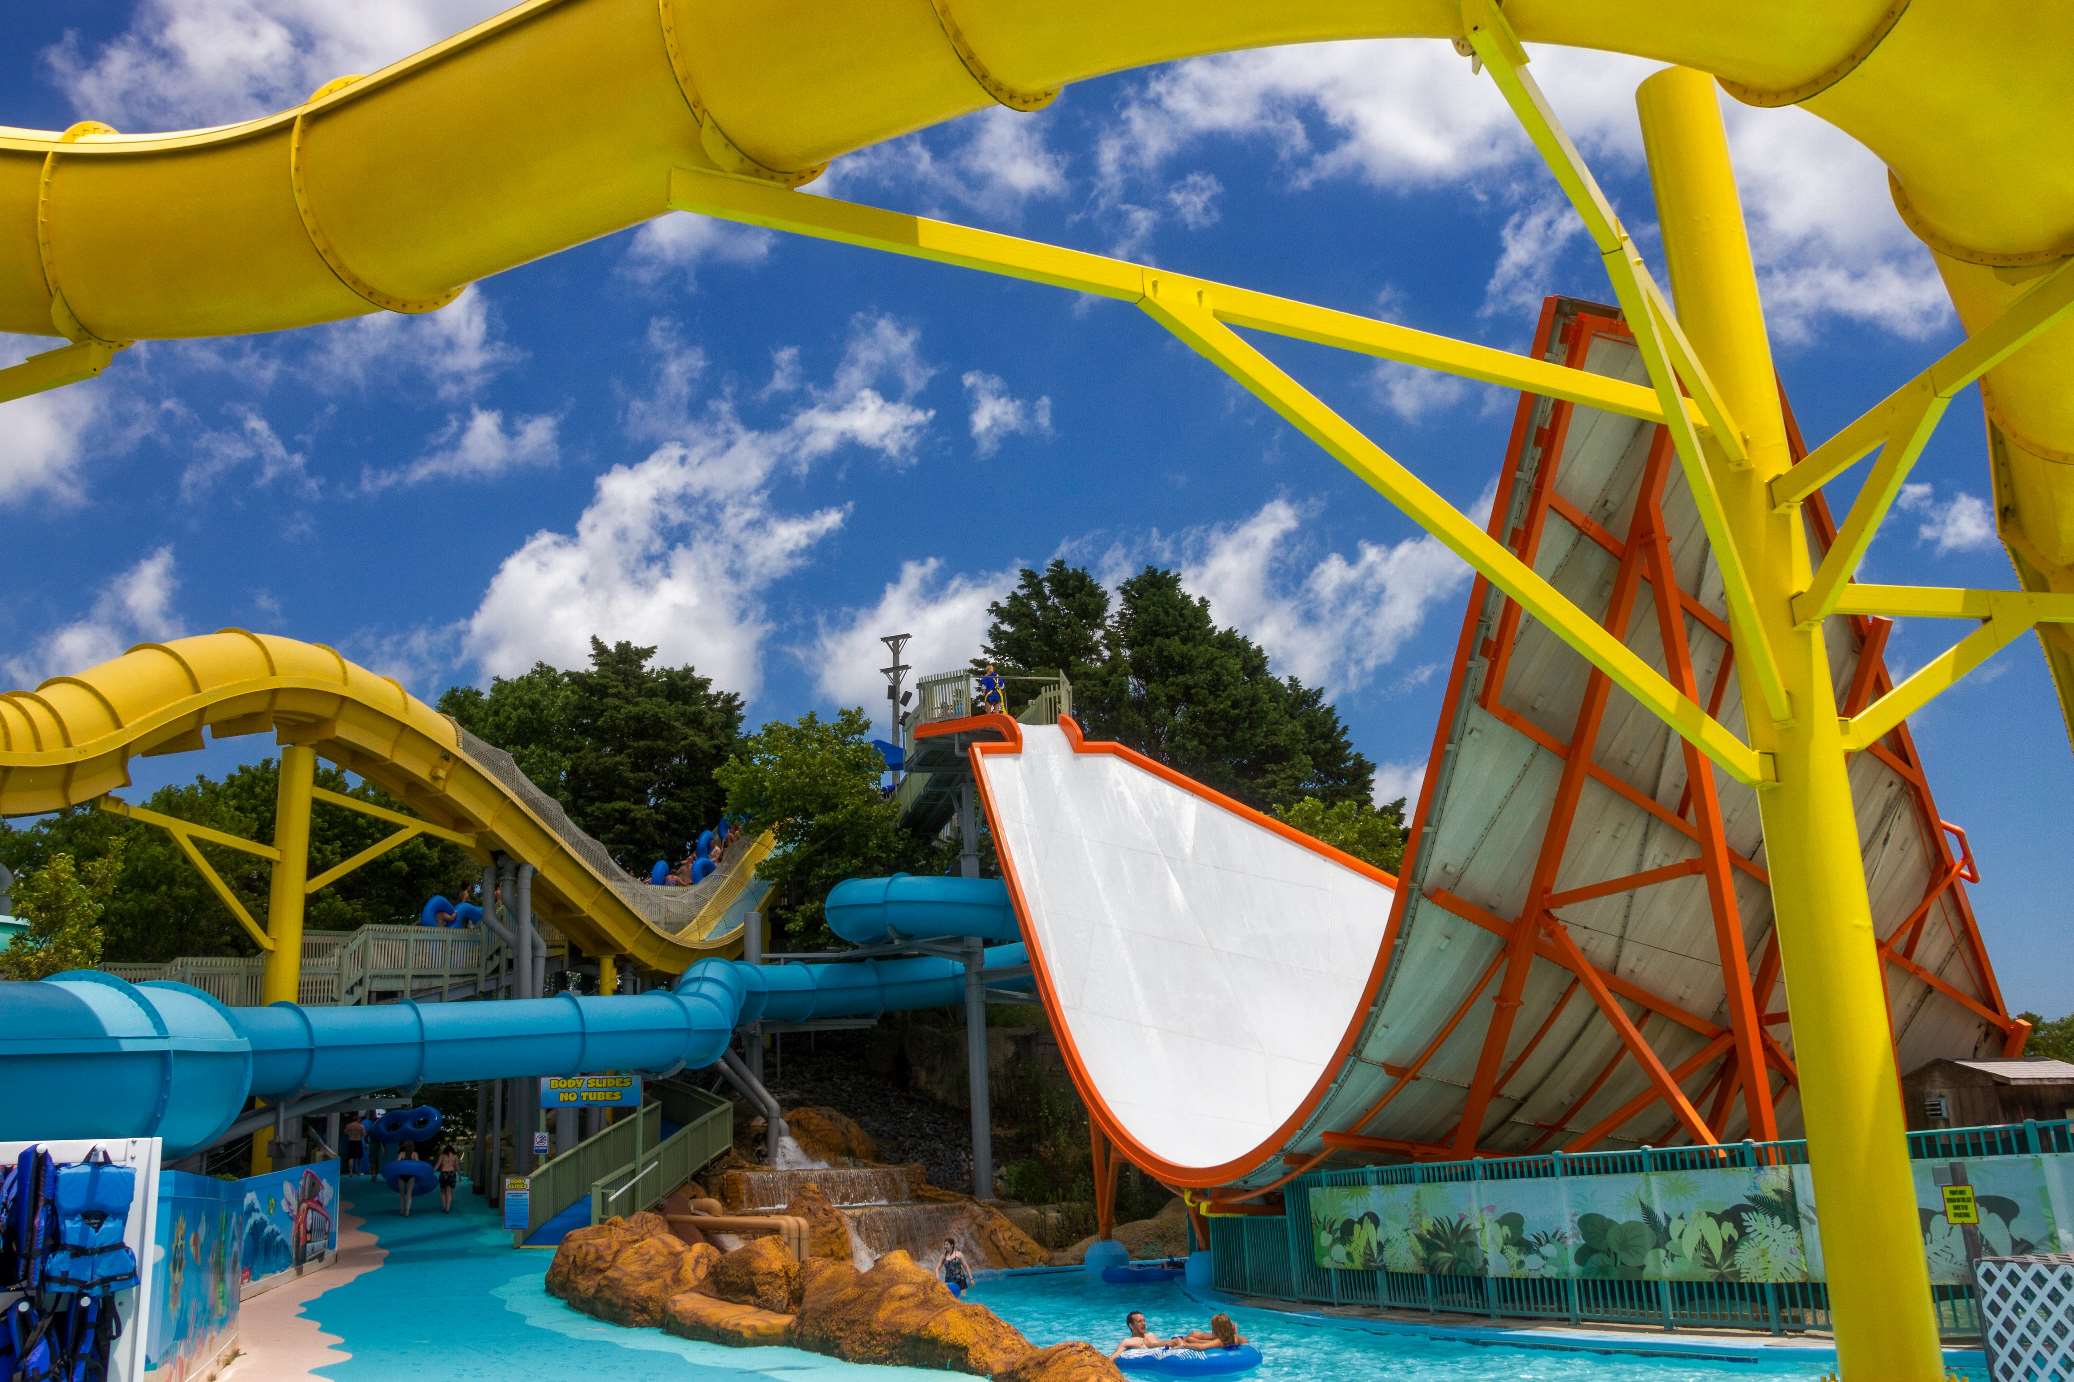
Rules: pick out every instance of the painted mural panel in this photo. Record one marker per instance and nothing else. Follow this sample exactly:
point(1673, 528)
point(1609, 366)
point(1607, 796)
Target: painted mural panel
point(1737, 1224)
point(194, 1295)
point(287, 1220)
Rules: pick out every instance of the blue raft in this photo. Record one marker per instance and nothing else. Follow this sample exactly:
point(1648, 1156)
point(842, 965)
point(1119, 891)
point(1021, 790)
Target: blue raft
point(418, 1173)
point(1141, 1273)
point(1191, 1362)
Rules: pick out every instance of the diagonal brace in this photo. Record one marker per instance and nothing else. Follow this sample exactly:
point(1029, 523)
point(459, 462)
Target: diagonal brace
point(1914, 418)
point(1181, 306)
point(1668, 356)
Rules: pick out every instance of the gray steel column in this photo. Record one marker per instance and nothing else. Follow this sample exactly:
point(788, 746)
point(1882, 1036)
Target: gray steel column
point(496, 1153)
point(976, 1071)
point(479, 1155)
point(752, 952)
point(565, 1129)
point(968, 831)
point(520, 1113)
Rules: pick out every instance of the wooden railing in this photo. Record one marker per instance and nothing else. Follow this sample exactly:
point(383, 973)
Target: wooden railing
point(363, 966)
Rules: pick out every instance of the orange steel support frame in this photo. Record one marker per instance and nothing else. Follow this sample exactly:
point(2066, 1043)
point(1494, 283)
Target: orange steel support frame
point(1744, 1055)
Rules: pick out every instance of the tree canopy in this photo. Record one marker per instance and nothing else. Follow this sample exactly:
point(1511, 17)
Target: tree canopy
point(629, 749)
point(161, 908)
point(1374, 834)
point(62, 903)
point(1156, 672)
point(815, 782)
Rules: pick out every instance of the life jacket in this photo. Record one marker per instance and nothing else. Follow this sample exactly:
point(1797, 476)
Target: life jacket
point(26, 1221)
point(25, 1349)
point(90, 1207)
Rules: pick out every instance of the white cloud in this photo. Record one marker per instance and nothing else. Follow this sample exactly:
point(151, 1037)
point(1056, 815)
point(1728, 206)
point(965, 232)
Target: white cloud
point(1958, 522)
point(1402, 116)
point(483, 447)
point(1332, 621)
point(45, 440)
point(1395, 781)
point(1411, 393)
point(995, 161)
point(458, 348)
point(947, 616)
point(996, 414)
point(664, 412)
point(184, 63)
point(1194, 200)
point(251, 445)
point(134, 607)
point(678, 550)
point(423, 658)
point(680, 243)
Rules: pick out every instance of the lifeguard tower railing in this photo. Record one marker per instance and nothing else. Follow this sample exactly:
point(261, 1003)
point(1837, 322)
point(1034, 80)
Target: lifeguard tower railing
point(1034, 700)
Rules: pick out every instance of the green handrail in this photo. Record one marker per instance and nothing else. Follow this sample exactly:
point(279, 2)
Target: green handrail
point(643, 1182)
point(555, 1186)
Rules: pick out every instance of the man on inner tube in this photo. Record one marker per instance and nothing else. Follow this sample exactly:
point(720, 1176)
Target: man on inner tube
point(1141, 1336)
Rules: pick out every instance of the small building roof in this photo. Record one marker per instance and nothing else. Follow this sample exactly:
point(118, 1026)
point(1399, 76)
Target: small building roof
point(2025, 1070)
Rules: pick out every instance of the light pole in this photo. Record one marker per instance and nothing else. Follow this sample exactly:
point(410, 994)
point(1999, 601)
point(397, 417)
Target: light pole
point(895, 674)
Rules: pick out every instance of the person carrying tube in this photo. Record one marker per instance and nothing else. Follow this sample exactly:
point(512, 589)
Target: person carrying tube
point(991, 687)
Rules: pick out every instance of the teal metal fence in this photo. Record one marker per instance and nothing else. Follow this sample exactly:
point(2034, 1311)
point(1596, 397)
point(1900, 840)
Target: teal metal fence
point(1277, 1256)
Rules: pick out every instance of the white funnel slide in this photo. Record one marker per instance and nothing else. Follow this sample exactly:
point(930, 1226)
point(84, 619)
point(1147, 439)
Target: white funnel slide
point(1204, 964)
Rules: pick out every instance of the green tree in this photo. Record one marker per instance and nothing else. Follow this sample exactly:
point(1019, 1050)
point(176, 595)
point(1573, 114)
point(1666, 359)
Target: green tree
point(162, 907)
point(63, 904)
point(2054, 1039)
point(1159, 674)
point(628, 748)
point(815, 782)
point(1368, 832)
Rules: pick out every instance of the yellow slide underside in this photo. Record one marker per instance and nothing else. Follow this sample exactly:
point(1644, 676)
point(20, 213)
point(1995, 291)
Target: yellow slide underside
point(560, 120)
point(71, 739)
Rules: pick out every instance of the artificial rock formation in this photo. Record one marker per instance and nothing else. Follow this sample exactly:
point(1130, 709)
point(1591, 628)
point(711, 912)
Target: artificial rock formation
point(761, 1273)
point(1165, 1234)
point(829, 1136)
point(828, 1233)
point(898, 1312)
point(626, 1270)
point(1074, 1362)
point(694, 1315)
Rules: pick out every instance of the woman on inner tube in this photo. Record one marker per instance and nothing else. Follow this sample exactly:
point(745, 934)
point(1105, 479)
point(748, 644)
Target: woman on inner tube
point(1222, 1334)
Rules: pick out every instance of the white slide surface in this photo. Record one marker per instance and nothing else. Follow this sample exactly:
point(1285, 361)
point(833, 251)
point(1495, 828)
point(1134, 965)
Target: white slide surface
point(1204, 962)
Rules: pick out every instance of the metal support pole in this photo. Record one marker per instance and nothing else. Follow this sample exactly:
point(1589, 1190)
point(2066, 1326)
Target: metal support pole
point(520, 1114)
point(608, 975)
point(752, 953)
point(565, 1129)
point(1879, 1286)
point(968, 831)
point(752, 1088)
point(479, 1155)
point(976, 1071)
point(488, 885)
point(281, 970)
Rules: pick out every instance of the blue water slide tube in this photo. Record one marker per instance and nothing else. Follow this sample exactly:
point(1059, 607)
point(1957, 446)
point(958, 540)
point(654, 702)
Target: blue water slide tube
point(88, 1055)
point(873, 911)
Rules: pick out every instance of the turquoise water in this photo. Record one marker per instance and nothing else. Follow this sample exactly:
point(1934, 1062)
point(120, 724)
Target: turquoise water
point(453, 1300)
point(1052, 1307)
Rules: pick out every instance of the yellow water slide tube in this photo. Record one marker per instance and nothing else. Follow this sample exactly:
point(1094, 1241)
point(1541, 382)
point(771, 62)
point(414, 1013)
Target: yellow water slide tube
point(560, 120)
point(71, 741)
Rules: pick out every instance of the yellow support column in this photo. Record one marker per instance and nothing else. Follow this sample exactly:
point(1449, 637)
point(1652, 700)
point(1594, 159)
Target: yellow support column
point(608, 975)
point(1879, 1285)
point(281, 979)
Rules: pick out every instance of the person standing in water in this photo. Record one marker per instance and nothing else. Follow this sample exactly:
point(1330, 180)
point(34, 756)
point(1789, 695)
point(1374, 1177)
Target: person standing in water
point(449, 1169)
point(954, 1270)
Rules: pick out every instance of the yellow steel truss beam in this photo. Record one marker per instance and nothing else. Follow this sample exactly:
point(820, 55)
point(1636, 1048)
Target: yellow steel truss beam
point(2044, 306)
point(1203, 312)
point(366, 856)
point(383, 813)
point(1913, 421)
point(55, 368)
point(1182, 306)
point(2005, 616)
point(942, 242)
point(1668, 356)
point(184, 834)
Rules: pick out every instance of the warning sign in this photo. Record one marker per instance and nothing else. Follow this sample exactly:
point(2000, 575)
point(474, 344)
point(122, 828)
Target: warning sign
point(590, 1091)
point(1959, 1205)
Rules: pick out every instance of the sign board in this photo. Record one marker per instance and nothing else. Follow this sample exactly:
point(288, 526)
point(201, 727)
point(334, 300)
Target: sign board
point(1960, 1207)
point(518, 1204)
point(540, 1142)
point(590, 1091)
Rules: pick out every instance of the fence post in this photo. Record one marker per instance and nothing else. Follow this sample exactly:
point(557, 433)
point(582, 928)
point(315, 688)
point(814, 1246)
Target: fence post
point(1663, 1288)
point(1490, 1286)
point(1555, 1159)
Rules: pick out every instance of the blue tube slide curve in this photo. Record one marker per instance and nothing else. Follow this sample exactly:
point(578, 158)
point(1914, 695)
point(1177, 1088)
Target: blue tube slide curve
point(87, 1055)
point(873, 911)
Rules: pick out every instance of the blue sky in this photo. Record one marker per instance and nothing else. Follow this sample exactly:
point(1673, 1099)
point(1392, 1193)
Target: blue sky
point(762, 453)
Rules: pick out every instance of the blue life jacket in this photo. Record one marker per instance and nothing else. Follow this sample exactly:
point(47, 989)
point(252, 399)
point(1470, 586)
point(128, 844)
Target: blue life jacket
point(25, 1220)
point(90, 1207)
point(25, 1351)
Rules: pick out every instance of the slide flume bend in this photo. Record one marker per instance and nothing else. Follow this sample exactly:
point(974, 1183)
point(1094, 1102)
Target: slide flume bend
point(560, 120)
point(71, 741)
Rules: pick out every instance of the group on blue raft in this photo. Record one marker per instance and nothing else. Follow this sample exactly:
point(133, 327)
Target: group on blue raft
point(62, 1231)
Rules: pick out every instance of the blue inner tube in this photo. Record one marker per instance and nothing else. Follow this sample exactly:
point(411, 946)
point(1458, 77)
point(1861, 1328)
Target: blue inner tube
point(1191, 1362)
point(418, 1125)
point(1128, 1273)
point(419, 1173)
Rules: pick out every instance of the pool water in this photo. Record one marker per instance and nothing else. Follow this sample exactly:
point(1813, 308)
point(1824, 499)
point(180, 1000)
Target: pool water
point(1052, 1307)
